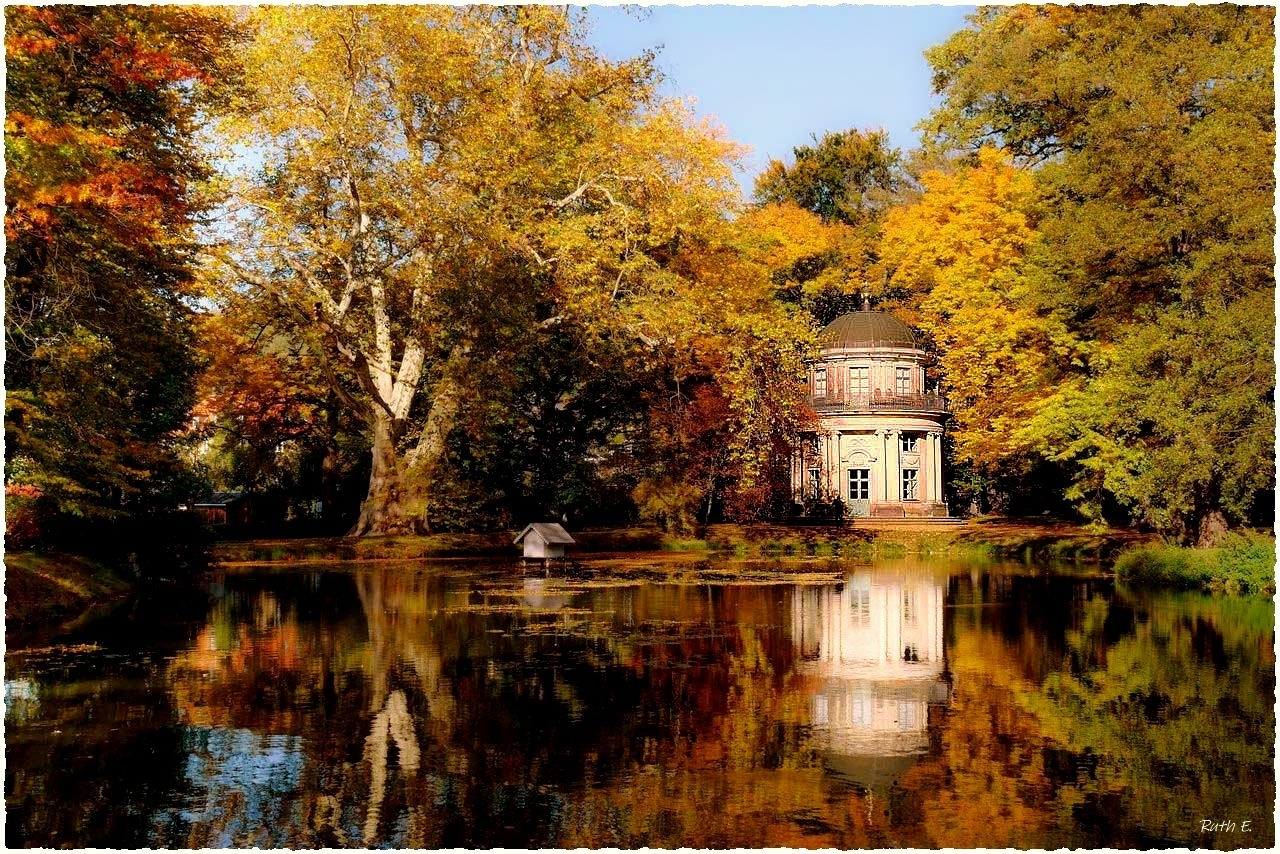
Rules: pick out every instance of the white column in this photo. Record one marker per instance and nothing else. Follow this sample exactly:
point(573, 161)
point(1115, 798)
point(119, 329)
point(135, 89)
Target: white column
point(894, 466)
point(935, 451)
point(878, 481)
point(827, 465)
point(929, 463)
point(926, 468)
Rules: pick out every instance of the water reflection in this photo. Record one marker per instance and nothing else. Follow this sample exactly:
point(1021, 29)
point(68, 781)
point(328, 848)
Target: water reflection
point(873, 646)
point(240, 785)
point(468, 706)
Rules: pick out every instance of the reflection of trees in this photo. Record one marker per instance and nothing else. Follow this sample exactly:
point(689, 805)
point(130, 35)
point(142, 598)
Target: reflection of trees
point(391, 724)
point(428, 710)
point(1151, 713)
point(98, 738)
point(477, 713)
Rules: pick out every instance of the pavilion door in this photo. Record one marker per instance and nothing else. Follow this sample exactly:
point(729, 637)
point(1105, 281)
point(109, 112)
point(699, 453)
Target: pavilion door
point(860, 492)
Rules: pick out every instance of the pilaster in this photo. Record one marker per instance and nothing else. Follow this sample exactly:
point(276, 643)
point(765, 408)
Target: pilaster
point(935, 469)
point(894, 465)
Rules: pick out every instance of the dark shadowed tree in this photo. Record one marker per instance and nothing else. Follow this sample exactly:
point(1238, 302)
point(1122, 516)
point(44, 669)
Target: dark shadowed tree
point(103, 172)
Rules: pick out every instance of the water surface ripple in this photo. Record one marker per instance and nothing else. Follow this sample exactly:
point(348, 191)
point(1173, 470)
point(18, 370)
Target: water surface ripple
point(469, 704)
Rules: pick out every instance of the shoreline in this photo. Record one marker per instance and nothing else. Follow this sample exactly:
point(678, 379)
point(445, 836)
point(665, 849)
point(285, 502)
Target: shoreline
point(865, 539)
point(49, 592)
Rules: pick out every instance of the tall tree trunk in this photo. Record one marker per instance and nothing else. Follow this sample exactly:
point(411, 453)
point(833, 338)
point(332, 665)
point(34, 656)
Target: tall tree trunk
point(1212, 529)
point(400, 485)
point(386, 508)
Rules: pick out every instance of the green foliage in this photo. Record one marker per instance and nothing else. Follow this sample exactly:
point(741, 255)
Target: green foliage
point(1150, 134)
point(1244, 563)
point(1125, 693)
point(847, 176)
point(1178, 422)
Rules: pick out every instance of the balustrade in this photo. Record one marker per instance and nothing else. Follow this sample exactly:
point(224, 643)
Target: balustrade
point(877, 401)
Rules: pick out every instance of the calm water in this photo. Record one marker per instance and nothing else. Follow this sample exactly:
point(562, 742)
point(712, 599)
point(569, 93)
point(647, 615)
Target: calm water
point(463, 704)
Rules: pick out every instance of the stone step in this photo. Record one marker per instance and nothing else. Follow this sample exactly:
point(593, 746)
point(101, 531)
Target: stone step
point(907, 521)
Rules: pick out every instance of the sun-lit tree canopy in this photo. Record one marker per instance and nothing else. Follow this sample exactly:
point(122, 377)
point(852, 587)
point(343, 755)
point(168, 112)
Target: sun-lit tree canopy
point(1151, 135)
point(412, 220)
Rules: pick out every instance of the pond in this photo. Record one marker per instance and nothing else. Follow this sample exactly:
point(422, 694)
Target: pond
point(474, 704)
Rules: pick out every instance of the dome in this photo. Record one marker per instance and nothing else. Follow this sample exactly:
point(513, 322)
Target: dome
point(863, 330)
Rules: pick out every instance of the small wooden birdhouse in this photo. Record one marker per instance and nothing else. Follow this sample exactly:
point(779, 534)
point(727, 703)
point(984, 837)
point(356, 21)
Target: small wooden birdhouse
point(544, 540)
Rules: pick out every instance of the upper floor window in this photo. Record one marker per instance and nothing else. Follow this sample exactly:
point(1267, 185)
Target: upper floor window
point(910, 444)
point(902, 381)
point(820, 382)
point(860, 380)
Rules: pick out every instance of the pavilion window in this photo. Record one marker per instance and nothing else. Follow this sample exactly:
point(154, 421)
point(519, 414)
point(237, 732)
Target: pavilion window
point(820, 382)
point(860, 381)
point(910, 484)
point(859, 484)
point(902, 381)
point(910, 444)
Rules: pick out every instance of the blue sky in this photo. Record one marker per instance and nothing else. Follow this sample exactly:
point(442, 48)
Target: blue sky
point(774, 75)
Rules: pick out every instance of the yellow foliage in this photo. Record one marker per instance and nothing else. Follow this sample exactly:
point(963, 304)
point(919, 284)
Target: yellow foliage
point(962, 248)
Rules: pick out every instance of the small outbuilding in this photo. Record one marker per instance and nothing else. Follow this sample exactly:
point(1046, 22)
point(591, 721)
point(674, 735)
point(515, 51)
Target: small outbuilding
point(230, 509)
point(544, 540)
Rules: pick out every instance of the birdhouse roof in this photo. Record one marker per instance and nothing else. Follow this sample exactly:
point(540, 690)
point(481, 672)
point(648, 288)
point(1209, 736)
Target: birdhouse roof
point(551, 532)
point(220, 499)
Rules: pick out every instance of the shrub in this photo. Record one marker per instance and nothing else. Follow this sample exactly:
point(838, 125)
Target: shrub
point(24, 516)
point(1244, 563)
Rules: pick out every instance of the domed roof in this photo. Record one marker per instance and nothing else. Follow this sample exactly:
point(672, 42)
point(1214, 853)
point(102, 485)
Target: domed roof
point(861, 330)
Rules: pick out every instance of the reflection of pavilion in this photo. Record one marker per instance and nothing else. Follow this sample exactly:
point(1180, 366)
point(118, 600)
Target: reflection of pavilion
point(875, 644)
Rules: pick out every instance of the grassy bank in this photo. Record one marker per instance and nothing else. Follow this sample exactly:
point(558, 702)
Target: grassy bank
point(48, 591)
point(1244, 563)
point(1003, 538)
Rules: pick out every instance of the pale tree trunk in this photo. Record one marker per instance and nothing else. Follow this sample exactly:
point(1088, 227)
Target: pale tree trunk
point(399, 493)
point(388, 366)
point(385, 509)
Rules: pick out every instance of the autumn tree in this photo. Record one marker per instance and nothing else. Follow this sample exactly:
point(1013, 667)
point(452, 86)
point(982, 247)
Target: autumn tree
point(724, 401)
point(429, 183)
point(267, 421)
point(103, 172)
point(961, 251)
point(1151, 135)
point(815, 264)
point(847, 180)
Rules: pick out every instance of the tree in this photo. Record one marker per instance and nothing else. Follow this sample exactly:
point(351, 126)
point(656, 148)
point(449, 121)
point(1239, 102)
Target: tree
point(1151, 133)
point(267, 420)
point(849, 176)
point(815, 264)
point(961, 250)
point(724, 401)
point(412, 216)
point(104, 170)
point(848, 180)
